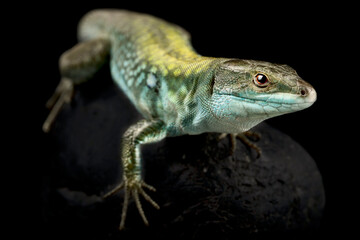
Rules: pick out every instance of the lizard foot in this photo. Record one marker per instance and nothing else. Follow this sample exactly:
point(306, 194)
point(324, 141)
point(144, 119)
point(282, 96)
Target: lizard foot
point(246, 137)
point(133, 188)
point(63, 94)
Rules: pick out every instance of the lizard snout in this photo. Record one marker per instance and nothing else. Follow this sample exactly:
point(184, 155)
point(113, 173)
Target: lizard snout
point(308, 93)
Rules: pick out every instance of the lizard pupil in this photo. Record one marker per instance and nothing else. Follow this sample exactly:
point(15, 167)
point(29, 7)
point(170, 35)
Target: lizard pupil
point(261, 80)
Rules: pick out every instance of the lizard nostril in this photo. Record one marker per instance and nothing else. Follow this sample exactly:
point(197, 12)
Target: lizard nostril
point(303, 92)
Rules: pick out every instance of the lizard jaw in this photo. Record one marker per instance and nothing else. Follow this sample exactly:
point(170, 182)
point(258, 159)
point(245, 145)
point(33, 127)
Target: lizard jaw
point(238, 114)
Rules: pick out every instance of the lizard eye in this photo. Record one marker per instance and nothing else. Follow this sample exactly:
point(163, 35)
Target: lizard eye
point(261, 80)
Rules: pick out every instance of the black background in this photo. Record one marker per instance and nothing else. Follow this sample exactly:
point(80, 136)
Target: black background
point(313, 39)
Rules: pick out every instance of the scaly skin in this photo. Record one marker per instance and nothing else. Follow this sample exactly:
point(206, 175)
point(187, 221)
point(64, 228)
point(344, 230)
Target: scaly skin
point(176, 90)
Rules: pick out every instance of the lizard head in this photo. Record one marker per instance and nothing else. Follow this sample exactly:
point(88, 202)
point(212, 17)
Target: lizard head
point(246, 92)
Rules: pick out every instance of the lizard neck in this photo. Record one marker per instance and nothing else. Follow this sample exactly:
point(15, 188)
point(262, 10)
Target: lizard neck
point(195, 94)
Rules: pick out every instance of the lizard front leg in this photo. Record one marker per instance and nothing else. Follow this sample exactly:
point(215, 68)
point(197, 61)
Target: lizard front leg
point(141, 133)
point(246, 137)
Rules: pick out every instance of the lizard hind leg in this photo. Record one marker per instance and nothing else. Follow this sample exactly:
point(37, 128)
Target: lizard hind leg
point(63, 94)
point(77, 65)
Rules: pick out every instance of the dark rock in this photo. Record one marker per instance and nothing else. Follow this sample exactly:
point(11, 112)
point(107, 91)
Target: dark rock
point(202, 191)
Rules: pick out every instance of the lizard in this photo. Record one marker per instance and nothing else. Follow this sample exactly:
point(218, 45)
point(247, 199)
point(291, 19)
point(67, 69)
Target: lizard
point(176, 90)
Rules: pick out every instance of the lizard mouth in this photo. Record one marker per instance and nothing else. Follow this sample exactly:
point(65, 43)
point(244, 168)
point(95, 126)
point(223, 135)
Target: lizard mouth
point(282, 102)
point(306, 95)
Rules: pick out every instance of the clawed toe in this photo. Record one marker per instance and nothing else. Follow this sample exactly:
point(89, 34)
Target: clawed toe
point(114, 190)
point(133, 189)
point(62, 95)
